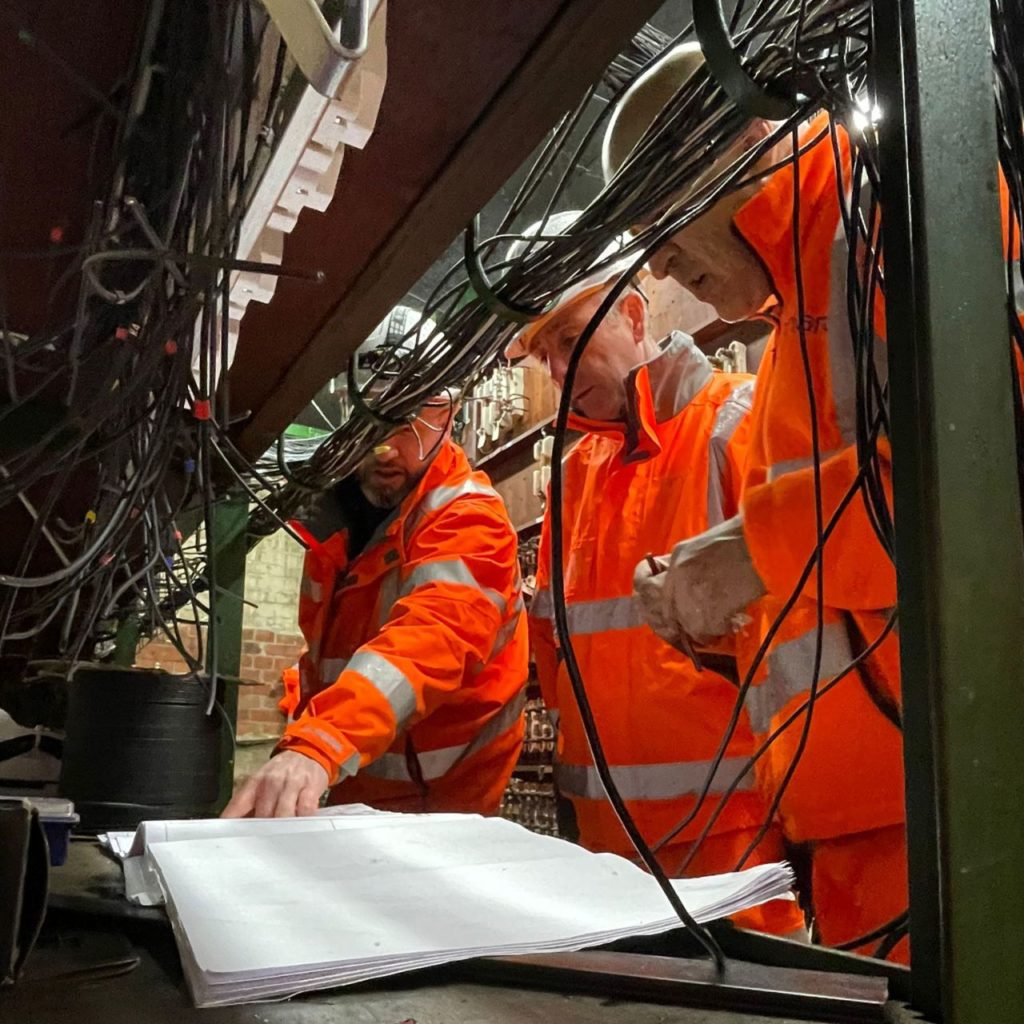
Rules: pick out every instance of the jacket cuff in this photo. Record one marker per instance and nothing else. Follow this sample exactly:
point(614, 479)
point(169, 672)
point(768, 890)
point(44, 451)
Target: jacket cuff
point(321, 744)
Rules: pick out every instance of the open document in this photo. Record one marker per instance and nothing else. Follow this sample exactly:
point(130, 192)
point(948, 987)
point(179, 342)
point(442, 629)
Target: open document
point(269, 911)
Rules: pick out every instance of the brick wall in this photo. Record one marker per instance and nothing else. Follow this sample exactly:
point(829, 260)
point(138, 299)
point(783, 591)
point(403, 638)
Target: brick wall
point(271, 640)
point(265, 655)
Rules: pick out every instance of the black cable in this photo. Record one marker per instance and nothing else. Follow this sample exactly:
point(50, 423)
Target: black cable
point(882, 932)
point(618, 804)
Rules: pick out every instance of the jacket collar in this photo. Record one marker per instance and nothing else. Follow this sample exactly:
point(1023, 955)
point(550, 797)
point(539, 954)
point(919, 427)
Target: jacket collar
point(326, 518)
point(766, 220)
point(657, 391)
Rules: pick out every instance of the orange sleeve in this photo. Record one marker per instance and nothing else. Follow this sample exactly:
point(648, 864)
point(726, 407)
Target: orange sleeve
point(780, 530)
point(779, 516)
point(460, 585)
point(292, 691)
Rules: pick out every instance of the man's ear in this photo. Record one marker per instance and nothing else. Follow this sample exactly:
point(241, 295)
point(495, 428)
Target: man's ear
point(634, 309)
point(757, 130)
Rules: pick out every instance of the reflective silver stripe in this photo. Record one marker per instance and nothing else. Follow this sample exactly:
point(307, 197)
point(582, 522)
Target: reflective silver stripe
point(842, 364)
point(655, 781)
point(440, 496)
point(390, 681)
point(790, 667)
point(321, 734)
point(842, 367)
point(541, 605)
point(508, 630)
point(454, 570)
point(778, 469)
point(349, 766)
point(311, 589)
point(436, 763)
point(729, 416)
point(588, 617)
point(331, 668)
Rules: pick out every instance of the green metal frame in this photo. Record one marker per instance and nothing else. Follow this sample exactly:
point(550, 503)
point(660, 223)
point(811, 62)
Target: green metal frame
point(226, 568)
point(960, 550)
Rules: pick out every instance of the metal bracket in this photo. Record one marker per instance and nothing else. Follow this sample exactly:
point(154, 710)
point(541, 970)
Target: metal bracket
point(321, 57)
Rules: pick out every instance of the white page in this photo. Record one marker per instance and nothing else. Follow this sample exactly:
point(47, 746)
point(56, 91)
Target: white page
point(141, 883)
point(174, 830)
point(271, 914)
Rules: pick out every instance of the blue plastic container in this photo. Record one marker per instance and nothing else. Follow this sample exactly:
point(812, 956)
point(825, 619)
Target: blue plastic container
point(57, 816)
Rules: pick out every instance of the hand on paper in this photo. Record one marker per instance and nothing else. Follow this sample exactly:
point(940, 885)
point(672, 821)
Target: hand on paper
point(287, 786)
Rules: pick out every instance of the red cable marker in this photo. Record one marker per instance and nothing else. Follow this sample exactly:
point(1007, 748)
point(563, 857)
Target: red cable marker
point(201, 409)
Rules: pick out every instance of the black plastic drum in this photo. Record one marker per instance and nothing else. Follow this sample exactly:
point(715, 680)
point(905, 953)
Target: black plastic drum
point(139, 745)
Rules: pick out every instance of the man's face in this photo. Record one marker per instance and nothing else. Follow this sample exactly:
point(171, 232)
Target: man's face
point(709, 257)
point(712, 261)
point(388, 476)
point(615, 348)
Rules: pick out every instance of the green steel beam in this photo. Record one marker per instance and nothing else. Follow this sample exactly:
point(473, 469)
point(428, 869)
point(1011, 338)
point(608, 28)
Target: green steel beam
point(226, 570)
point(960, 550)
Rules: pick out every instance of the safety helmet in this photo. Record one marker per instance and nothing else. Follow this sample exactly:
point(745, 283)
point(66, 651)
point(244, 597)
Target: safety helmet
point(402, 335)
point(643, 101)
point(559, 224)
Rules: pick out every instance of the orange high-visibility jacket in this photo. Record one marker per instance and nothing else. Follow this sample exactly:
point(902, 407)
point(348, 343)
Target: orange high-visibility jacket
point(413, 681)
point(850, 775)
point(632, 489)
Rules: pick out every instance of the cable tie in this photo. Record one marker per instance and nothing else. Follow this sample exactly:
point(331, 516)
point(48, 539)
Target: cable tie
point(201, 409)
point(484, 290)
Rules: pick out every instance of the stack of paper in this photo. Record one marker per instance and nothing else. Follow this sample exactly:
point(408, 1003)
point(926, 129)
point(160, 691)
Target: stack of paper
point(273, 913)
point(142, 885)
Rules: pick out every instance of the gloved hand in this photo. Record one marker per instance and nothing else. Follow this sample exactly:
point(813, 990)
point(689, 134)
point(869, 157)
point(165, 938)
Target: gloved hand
point(700, 591)
point(288, 785)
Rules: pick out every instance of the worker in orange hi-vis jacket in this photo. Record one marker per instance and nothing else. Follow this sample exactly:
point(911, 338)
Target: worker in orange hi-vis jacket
point(410, 693)
point(845, 795)
point(660, 460)
point(835, 759)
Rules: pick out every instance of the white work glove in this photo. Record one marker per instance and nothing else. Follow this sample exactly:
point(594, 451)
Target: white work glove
point(288, 785)
point(700, 591)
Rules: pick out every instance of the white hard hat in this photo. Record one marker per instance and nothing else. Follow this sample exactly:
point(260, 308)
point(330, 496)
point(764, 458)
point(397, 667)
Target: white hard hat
point(559, 224)
point(392, 343)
